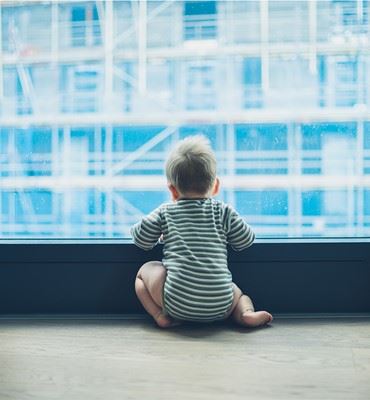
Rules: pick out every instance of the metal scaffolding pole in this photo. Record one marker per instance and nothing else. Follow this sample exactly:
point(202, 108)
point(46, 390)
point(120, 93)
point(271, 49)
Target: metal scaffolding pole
point(54, 31)
point(359, 170)
point(108, 163)
point(265, 56)
point(359, 10)
point(108, 53)
point(55, 168)
point(67, 192)
point(312, 32)
point(231, 165)
point(155, 182)
point(142, 46)
point(55, 47)
point(1, 61)
point(294, 154)
point(162, 6)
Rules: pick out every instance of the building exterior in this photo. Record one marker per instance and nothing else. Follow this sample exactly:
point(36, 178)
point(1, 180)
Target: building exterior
point(94, 93)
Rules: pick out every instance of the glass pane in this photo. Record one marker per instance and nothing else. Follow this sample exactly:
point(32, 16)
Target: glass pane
point(93, 95)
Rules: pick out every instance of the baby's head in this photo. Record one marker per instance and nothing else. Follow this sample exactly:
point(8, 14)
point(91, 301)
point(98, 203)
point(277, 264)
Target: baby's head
point(191, 169)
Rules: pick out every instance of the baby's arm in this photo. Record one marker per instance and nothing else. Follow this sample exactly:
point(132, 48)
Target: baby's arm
point(239, 233)
point(147, 232)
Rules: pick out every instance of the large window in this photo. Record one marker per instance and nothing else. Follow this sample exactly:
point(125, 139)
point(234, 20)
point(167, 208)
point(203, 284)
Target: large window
point(94, 93)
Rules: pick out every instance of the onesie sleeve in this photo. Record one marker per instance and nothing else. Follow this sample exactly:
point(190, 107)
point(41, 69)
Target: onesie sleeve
point(147, 232)
point(238, 233)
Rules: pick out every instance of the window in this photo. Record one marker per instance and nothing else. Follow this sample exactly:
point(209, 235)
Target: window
point(288, 21)
point(93, 94)
point(85, 27)
point(341, 81)
point(26, 30)
point(200, 20)
point(297, 91)
point(257, 153)
point(200, 83)
point(252, 80)
point(80, 86)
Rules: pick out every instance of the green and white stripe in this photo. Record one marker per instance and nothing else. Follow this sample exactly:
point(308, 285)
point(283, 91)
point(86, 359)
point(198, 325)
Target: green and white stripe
point(195, 234)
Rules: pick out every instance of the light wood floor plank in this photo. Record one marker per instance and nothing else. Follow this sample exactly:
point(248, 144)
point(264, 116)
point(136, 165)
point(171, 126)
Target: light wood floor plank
point(309, 359)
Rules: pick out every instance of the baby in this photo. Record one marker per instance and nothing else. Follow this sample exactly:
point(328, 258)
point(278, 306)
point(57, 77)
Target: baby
point(193, 282)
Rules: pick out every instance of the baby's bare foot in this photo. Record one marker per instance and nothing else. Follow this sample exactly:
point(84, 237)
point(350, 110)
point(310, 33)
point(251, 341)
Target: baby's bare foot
point(256, 318)
point(163, 321)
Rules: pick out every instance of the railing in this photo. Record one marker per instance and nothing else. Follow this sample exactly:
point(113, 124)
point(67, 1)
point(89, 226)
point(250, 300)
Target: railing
point(58, 225)
point(251, 162)
point(340, 95)
point(243, 97)
point(200, 27)
point(80, 34)
point(288, 25)
point(80, 102)
point(252, 96)
point(342, 20)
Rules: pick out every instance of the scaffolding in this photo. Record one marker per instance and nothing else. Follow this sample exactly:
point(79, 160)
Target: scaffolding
point(94, 93)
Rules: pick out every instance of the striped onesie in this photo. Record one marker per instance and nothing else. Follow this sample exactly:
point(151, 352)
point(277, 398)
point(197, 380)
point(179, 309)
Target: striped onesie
point(195, 232)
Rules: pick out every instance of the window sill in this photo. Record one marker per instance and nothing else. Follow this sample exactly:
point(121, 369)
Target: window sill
point(96, 276)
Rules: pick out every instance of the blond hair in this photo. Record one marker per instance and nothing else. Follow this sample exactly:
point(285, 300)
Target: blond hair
point(191, 166)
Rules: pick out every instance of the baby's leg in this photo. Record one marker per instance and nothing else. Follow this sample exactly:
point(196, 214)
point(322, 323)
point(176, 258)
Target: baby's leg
point(243, 312)
point(149, 288)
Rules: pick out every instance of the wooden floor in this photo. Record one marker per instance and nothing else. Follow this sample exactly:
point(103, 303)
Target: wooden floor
point(132, 359)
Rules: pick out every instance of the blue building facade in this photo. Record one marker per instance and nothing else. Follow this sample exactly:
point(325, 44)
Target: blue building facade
point(94, 93)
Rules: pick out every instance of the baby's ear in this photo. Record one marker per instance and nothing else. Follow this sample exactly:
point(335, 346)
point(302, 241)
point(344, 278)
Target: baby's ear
point(175, 194)
point(216, 187)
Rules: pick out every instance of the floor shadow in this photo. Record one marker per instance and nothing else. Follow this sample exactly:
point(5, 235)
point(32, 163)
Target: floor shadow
point(204, 330)
point(244, 330)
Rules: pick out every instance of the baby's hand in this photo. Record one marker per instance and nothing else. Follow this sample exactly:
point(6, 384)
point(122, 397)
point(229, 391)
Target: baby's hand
point(161, 239)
